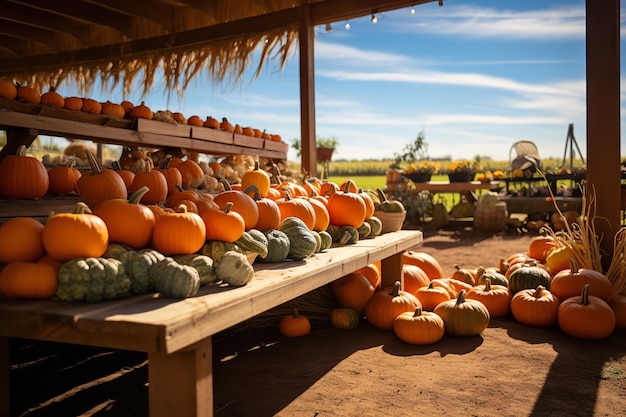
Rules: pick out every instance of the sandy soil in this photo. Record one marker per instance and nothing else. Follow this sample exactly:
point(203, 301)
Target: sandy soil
point(509, 370)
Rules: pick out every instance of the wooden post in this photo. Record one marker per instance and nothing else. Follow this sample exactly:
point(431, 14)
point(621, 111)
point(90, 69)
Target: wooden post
point(603, 117)
point(17, 137)
point(307, 93)
point(181, 383)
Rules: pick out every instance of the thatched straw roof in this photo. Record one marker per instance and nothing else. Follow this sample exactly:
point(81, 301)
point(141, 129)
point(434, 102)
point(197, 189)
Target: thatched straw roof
point(121, 42)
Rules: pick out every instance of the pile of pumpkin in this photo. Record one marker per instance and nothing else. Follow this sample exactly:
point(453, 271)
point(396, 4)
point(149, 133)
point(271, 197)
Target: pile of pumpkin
point(542, 287)
point(166, 237)
point(125, 109)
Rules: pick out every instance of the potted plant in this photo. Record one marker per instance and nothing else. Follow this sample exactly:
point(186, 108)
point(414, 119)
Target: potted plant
point(420, 171)
point(325, 147)
point(463, 170)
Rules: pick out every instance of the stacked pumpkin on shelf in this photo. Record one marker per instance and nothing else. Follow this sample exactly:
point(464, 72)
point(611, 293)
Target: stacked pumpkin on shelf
point(168, 236)
point(526, 287)
point(126, 109)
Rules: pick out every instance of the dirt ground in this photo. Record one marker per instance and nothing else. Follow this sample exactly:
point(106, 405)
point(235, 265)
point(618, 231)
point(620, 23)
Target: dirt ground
point(509, 370)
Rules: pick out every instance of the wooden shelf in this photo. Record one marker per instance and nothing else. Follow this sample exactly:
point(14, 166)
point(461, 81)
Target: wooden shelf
point(46, 120)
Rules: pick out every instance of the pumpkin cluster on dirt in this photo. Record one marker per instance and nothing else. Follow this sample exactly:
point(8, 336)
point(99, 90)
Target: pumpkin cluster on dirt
point(582, 302)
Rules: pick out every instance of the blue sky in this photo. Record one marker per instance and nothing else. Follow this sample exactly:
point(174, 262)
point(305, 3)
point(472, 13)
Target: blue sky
point(475, 75)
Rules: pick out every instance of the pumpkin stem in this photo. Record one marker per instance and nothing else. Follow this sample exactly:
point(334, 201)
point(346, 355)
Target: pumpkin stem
point(227, 207)
point(226, 184)
point(115, 166)
point(82, 208)
point(256, 195)
point(418, 311)
point(181, 208)
point(573, 266)
point(348, 186)
point(584, 296)
point(487, 285)
point(381, 195)
point(95, 168)
point(538, 291)
point(275, 174)
point(480, 271)
point(136, 196)
point(460, 299)
point(21, 150)
point(70, 163)
point(296, 313)
point(395, 291)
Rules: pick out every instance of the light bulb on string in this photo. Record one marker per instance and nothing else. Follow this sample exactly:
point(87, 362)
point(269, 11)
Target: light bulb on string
point(412, 9)
point(374, 18)
point(347, 26)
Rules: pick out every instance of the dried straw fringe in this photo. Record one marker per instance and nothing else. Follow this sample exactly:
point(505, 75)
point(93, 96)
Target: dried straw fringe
point(583, 243)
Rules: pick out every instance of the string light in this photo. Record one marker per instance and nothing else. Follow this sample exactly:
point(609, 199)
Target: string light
point(347, 26)
point(374, 19)
point(413, 9)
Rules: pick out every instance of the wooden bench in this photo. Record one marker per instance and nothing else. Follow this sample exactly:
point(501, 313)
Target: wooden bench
point(176, 334)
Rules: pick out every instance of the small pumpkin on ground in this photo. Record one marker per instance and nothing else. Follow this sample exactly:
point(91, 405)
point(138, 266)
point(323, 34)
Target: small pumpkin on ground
point(295, 325)
point(431, 296)
point(353, 291)
point(496, 298)
point(535, 307)
point(586, 317)
point(419, 327)
point(385, 305)
point(570, 282)
point(463, 317)
point(344, 318)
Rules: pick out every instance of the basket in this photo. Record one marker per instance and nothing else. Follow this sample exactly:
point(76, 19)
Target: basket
point(392, 222)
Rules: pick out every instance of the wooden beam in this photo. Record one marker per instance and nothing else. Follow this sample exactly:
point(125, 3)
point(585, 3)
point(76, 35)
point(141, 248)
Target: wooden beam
point(335, 10)
point(603, 117)
point(307, 94)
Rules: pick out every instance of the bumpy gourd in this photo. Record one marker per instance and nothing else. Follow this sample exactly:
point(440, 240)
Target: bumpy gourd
point(253, 240)
point(376, 225)
point(215, 249)
point(138, 265)
point(202, 263)
point(234, 269)
point(327, 240)
point(93, 280)
point(302, 244)
point(277, 246)
point(174, 280)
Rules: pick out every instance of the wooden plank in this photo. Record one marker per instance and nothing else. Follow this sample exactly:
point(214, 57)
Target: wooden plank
point(248, 141)
point(181, 383)
point(212, 135)
point(154, 324)
point(36, 208)
point(275, 146)
point(163, 128)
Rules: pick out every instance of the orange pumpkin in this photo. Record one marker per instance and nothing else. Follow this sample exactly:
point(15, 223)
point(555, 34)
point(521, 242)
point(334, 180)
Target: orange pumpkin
point(141, 112)
point(297, 207)
point(586, 317)
point(178, 233)
point(269, 214)
point(62, 179)
point(28, 94)
point(570, 282)
point(413, 278)
point(223, 224)
point(128, 221)
point(80, 234)
point(100, 184)
point(113, 110)
point(127, 175)
point(322, 217)
point(294, 325)
point(431, 296)
point(34, 280)
point(258, 178)
point(419, 327)
point(73, 103)
point(154, 180)
point(190, 171)
point(211, 122)
point(226, 126)
point(541, 246)
point(427, 262)
point(21, 240)
point(52, 98)
point(91, 106)
point(23, 176)
point(372, 273)
point(535, 307)
point(385, 305)
point(242, 204)
point(497, 298)
point(346, 208)
point(195, 120)
point(353, 291)
point(8, 89)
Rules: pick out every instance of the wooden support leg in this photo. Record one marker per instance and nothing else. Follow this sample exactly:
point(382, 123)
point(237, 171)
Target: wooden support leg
point(5, 367)
point(17, 137)
point(181, 383)
point(391, 270)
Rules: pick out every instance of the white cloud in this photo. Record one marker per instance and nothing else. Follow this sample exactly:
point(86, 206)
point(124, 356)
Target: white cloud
point(558, 23)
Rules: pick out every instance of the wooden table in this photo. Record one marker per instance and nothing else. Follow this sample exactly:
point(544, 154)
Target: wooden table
point(176, 334)
point(530, 205)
